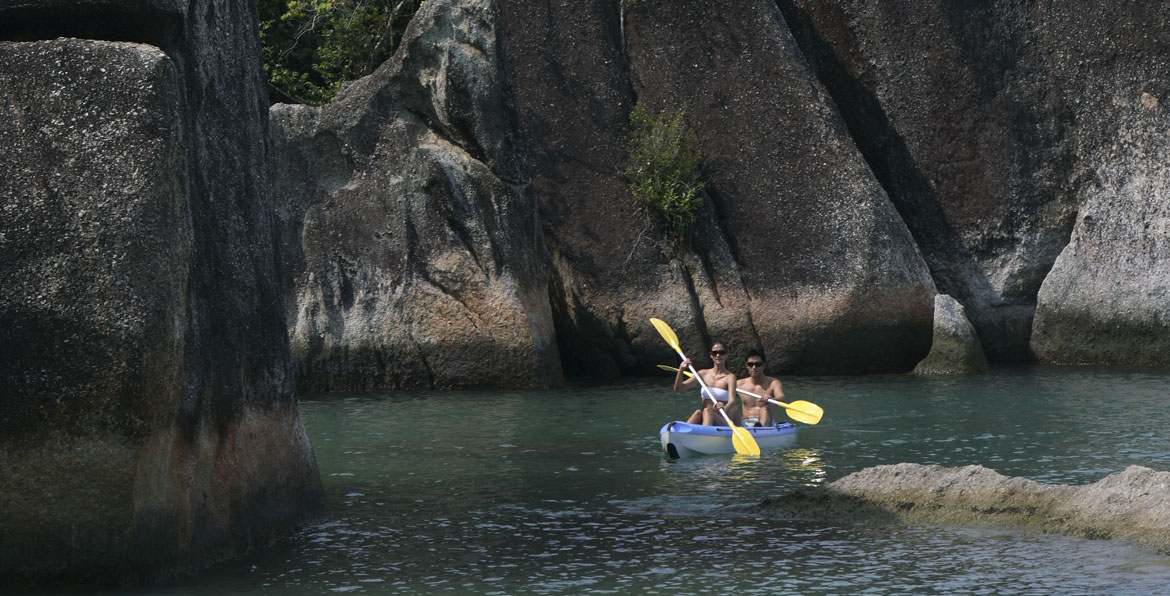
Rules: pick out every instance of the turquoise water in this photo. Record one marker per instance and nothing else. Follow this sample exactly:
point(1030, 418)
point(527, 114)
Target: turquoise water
point(567, 492)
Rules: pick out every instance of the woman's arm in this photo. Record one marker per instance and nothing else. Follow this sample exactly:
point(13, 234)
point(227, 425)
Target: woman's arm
point(681, 383)
point(729, 383)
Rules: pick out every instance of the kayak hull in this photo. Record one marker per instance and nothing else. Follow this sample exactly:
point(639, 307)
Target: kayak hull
point(680, 439)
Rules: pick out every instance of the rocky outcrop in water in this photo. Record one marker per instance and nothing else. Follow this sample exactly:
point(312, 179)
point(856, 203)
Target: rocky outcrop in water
point(845, 145)
point(994, 127)
point(1130, 505)
point(1105, 300)
point(955, 349)
point(798, 249)
point(409, 227)
point(149, 422)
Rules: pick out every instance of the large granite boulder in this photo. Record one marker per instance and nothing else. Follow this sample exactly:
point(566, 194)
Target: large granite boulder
point(797, 249)
point(1130, 505)
point(148, 420)
point(991, 125)
point(1105, 299)
point(412, 248)
point(958, 113)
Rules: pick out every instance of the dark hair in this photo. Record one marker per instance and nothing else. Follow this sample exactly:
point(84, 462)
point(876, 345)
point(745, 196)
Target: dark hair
point(755, 352)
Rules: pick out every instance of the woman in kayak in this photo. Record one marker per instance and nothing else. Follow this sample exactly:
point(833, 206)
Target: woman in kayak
point(721, 386)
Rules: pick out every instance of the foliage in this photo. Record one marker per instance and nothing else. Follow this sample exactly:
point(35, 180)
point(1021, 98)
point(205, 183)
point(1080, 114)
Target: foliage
point(664, 167)
point(312, 46)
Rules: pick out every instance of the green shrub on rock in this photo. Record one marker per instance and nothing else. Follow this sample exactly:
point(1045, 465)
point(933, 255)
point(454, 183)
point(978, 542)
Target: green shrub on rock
point(663, 172)
point(311, 46)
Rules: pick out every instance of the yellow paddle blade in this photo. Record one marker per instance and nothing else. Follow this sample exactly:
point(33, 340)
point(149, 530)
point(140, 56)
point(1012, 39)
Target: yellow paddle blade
point(743, 441)
point(674, 370)
point(667, 333)
point(803, 411)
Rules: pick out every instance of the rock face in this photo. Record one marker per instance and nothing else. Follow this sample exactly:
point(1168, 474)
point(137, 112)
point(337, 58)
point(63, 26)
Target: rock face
point(962, 117)
point(991, 126)
point(409, 228)
point(798, 249)
point(858, 156)
point(1105, 300)
point(1130, 505)
point(956, 349)
point(149, 420)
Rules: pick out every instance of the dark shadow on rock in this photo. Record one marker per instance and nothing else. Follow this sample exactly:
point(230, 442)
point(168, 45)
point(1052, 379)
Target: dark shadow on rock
point(954, 269)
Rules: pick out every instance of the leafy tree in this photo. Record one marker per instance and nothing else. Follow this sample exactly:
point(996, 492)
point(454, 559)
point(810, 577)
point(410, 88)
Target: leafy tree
point(312, 46)
point(664, 167)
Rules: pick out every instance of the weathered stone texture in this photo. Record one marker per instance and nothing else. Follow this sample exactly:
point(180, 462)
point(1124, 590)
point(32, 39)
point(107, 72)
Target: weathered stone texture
point(957, 113)
point(991, 125)
point(1106, 299)
point(149, 418)
point(797, 248)
point(828, 277)
point(410, 233)
point(609, 273)
point(95, 243)
point(956, 349)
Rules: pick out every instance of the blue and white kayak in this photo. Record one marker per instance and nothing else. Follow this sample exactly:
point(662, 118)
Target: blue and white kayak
point(680, 439)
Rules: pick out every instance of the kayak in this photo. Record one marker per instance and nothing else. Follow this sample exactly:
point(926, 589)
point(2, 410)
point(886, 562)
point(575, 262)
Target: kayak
point(680, 439)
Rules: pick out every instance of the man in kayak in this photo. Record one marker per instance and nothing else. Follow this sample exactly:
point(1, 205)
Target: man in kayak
point(721, 384)
point(757, 412)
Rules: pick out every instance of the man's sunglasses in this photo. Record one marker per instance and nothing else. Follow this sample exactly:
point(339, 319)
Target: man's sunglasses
point(755, 364)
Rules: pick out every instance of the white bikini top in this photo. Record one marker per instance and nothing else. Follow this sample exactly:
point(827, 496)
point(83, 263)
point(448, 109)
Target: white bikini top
point(716, 392)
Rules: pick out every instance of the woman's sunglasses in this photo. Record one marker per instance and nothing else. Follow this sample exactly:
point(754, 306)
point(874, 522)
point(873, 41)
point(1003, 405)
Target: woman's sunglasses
point(718, 352)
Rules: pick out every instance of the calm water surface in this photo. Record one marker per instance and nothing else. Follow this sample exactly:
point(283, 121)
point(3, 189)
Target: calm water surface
point(567, 492)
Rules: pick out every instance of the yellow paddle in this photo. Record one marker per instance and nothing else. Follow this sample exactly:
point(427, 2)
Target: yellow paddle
point(741, 439)
point(799, 410)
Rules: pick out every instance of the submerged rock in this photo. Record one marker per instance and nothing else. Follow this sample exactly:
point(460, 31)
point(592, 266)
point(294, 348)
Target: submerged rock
point(1133, 504)
point(956, 349)
point(413, 254)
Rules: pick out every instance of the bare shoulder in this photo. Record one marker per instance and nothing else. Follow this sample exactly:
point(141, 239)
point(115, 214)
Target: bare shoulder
point(774, 384)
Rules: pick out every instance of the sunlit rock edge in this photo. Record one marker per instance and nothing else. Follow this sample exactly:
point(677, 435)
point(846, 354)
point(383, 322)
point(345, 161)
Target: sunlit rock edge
point(1130, 505)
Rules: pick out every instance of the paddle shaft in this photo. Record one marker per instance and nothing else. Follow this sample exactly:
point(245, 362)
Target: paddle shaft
point(741, 439)
point(743, 391)
point(767, 399)
point(801, 411)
